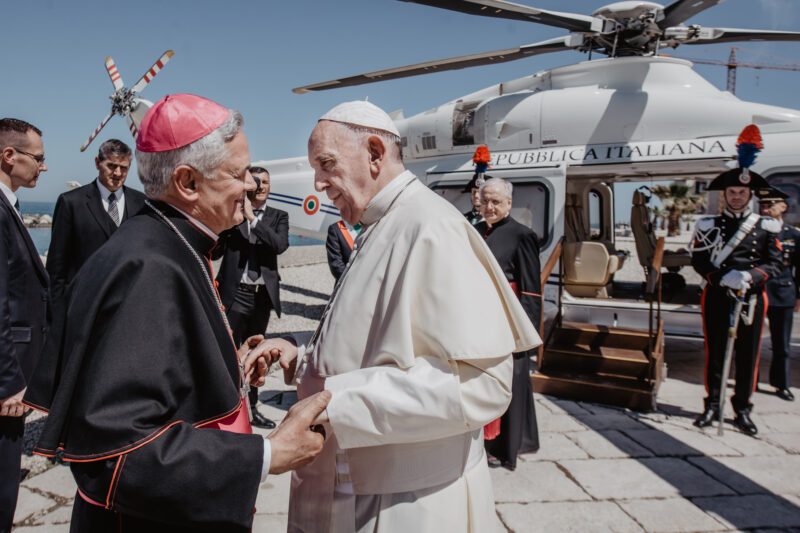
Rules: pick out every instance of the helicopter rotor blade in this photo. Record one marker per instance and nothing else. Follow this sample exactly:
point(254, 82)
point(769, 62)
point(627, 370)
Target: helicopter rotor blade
point(113, 73)
point(682, 10)
point(150, 74)
point(703, 35)
point(509, 10)
point(97, 130)
point(453, 63)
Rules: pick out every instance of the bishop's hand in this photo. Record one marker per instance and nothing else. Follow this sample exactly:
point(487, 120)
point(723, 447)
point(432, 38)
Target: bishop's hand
point(283, 350)
point(256, 360)
point(295, 443)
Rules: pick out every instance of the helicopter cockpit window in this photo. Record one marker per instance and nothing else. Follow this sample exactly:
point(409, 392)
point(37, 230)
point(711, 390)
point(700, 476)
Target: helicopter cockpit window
point(789, 182)
point(530, 205)
point(463, 121)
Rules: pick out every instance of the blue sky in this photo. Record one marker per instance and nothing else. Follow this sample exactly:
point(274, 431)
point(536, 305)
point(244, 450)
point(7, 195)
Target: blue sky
point(249, 55)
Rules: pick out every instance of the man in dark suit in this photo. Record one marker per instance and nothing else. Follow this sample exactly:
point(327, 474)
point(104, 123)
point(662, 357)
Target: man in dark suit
point(783, 292)
point(86, 217)
point(248, 278)
point(23, 301)
point(339, 245)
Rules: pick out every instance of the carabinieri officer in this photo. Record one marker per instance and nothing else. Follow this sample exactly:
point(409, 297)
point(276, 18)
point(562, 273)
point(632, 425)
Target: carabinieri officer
point(782, 290)
point(746, 254)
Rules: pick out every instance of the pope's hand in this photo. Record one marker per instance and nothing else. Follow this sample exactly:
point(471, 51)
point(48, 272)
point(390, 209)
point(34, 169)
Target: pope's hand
point(283, 351)
point(255, 360)
point(295, 443)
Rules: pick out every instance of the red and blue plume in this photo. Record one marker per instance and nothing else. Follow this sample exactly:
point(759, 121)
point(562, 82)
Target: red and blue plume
point(481, 159)
point(748, 145)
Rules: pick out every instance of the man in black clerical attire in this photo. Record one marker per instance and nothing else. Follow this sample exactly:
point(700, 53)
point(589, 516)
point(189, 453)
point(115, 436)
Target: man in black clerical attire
point(745, 253)
point(516, 249)
point(86, 217)
point(145, 390)
point(248, 277)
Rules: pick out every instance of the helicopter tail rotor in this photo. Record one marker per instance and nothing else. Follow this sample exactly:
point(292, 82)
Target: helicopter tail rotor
point(97, 130)
point(150, 74)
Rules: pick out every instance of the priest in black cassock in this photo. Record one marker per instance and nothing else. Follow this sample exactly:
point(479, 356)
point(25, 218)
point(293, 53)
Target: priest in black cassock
point(145, 389)
point(516, 248)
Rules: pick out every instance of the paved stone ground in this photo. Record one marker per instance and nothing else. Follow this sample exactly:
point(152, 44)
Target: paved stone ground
point(599, 468)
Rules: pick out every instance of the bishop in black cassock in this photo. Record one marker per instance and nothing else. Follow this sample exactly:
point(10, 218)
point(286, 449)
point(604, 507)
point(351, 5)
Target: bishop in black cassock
point(516, 248)
point(140, 376)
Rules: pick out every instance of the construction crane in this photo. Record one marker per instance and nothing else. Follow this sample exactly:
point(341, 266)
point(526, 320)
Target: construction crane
point(733, 64)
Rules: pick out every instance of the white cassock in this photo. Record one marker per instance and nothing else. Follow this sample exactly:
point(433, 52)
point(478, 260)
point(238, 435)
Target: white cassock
point(416, 348)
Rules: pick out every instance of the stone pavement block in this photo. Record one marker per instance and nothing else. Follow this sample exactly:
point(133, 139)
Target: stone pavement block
point(786, 441)
point(608, 444)
point(642, 478)
point(749, 446)
point(270, 523)
point(582, 517)
point(778, 422)
point(730, 477)
point(57, 481)
point(679, 442)
point(609, 420)
point(754, 511)
point(554, 446)
point(561, 405)
point(534, 482)
point(273, 494)
point(778, 475)
point(600, 409)
point(674, 515)
point(62, 515)
point(30, 503)
point(557, 423)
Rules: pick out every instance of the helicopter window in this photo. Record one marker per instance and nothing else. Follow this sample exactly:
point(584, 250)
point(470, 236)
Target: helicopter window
point(530, 204)
point(429, 142)
point(463, 121)
point(595, 215)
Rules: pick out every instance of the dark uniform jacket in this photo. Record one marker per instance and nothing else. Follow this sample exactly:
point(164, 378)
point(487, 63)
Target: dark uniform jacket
point(271, 238)
point(339, 249)
point(139, 361)
point(758, 253)
point(23, 302)
point(784, 289)
point(80, 226)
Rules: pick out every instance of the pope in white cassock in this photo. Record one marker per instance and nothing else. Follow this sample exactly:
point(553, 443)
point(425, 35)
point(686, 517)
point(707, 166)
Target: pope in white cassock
point(415, 373)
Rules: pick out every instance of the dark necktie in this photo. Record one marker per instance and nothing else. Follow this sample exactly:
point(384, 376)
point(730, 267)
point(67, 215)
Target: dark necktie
point(16, 206)
point(253, 272)
point(112, 208)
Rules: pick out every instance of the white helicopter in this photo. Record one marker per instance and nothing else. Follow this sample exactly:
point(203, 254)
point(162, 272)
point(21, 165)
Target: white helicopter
point(565, 137)
point(124, 101)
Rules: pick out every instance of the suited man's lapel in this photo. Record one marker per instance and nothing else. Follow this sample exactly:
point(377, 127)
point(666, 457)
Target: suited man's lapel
point(26, 238)
point(95, 206)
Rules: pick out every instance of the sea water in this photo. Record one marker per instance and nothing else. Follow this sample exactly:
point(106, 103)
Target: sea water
point(41, 236)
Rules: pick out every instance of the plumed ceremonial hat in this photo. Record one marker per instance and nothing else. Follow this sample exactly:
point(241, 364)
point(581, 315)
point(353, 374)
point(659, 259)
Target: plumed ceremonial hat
point(771, 194)
point(738, 177)
point(178, 120)
point(362, 113)
point(476, 182)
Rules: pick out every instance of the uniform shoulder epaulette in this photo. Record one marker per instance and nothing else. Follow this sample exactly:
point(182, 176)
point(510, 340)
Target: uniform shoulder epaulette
point(771, 225)
point(706, 223)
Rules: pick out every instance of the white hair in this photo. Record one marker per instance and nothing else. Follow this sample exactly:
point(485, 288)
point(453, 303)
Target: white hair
point(204, 155)
point(388, 138)
point(499, 181)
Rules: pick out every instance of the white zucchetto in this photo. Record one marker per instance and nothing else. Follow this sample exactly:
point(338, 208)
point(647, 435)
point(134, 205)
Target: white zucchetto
point(362, 113)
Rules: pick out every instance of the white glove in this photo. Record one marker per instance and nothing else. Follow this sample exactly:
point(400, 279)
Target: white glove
point(737, 280)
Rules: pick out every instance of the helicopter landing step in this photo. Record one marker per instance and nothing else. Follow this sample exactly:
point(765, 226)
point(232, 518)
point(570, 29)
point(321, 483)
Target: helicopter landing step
point(603, 364)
